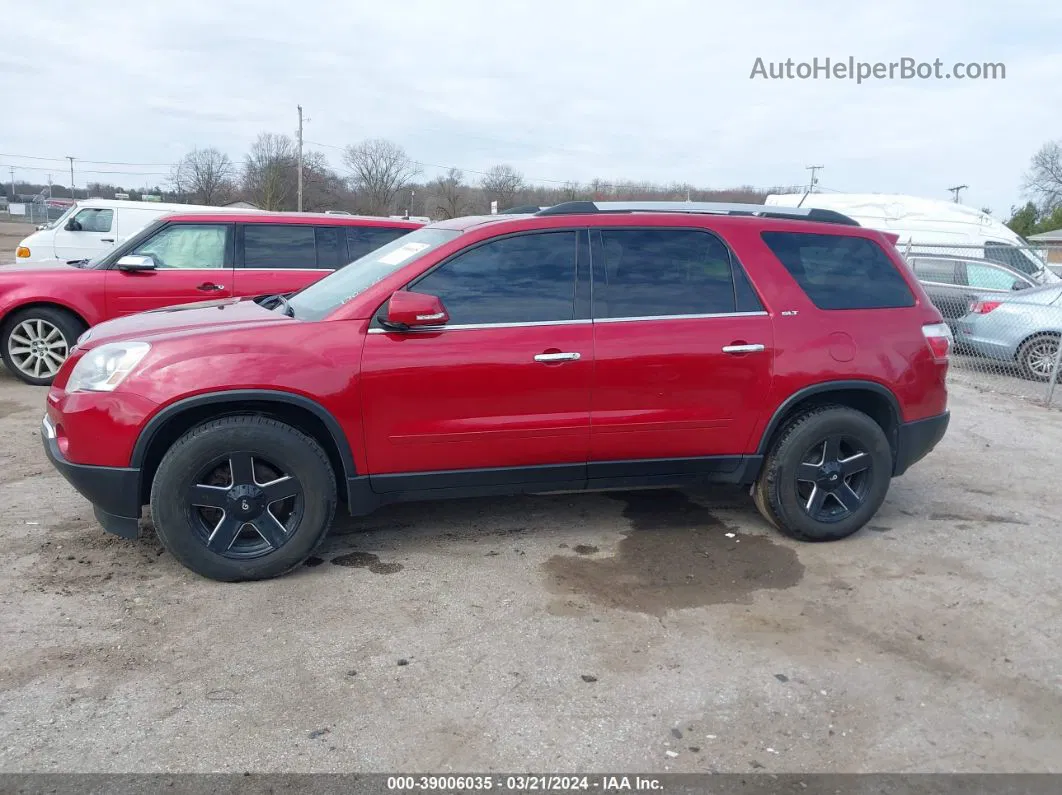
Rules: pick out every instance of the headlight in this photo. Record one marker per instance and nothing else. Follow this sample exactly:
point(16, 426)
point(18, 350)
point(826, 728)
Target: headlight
point(102, 369)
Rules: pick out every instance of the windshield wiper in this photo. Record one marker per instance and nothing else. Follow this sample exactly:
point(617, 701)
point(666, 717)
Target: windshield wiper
point(289, 310)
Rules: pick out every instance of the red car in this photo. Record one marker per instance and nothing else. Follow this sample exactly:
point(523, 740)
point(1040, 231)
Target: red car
point(177, 259)
point(587, 346)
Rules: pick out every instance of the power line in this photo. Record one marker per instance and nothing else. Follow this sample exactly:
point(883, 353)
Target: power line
point(93, 162)
point(95, 171)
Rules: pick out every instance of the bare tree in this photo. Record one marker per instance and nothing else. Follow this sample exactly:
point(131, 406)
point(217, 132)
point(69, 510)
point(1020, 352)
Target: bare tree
point(1043, 181)
point(205, 176)
point(323, 188)
point(502, 182)
point(571, 191)
point(379, 170)
point(269, 171)
point(449, 195)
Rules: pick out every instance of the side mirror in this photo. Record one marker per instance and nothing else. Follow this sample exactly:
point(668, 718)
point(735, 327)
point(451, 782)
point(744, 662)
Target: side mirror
point(407, 310)
point(135, 262)
point(73, 225)
point(1018, 285)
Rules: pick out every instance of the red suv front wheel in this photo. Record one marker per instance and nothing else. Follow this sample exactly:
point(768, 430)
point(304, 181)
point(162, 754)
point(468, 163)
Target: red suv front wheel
point(243, 498)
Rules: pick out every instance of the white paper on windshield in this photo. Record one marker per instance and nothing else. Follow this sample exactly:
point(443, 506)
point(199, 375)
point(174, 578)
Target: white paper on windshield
point(401, 254)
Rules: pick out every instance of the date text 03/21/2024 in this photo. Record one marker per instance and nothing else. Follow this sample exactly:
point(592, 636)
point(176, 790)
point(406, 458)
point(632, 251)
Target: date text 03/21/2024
point(523, 783)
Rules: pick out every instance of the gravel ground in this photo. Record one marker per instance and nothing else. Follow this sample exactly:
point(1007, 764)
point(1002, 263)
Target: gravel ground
point(644, 631)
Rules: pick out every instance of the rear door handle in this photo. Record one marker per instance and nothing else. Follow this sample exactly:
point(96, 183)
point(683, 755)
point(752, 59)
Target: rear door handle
point(556, 357)
point(209, 287)
point(751, 348)
point(106, 239)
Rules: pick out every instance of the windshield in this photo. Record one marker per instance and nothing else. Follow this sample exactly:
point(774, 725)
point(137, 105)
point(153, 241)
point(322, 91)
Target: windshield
point(62, 218)
point(1020, 259)
point(324, 297)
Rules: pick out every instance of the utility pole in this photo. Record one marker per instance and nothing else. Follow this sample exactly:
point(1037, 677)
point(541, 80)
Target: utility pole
point(12, 183)
point(814, 179)
point(300, 159)
point(68, 157)
point(49, 186)
point(955, 192)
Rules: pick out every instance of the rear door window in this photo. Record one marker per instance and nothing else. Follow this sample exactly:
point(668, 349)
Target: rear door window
point(665, 273)
point(840, 271)
point(363, 239)
point(276, 246)
point(937, 271)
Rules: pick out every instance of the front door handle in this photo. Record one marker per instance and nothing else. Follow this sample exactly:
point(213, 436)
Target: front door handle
point(106, 239)
point(556, 357)
point(209, 287)
point(743, 348)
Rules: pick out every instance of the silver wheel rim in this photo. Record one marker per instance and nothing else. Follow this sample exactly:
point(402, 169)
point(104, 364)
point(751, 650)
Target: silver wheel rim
point(37, 348)
point(1041, 358)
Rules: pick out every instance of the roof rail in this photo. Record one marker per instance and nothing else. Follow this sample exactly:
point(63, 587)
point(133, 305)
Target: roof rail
point(707, 208)
point(521, 209)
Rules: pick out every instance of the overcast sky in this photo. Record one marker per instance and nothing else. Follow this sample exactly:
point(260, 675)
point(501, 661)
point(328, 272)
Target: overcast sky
point(656, 90)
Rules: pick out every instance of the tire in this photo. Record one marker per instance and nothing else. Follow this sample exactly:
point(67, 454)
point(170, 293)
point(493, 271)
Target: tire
point(249, 533)
point(1036, 357)
point(822, 509)
point(34, 342)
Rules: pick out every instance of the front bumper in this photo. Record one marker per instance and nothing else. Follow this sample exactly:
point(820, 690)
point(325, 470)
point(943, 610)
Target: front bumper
point(916, 439)
point(113, 491)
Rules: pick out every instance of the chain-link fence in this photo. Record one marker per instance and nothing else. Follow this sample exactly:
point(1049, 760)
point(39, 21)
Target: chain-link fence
point(1004, 307)
point(30, 212)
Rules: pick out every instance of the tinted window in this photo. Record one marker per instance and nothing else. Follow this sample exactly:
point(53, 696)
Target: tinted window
point(328, 248)
point(1010, 256)
point(522, 279)
point(93, 220)
point(188, 246)
point(986, 277)
point(328, 294)
point(840, 272)
point(277, 246)
point(363, 239)
point(654, 272)
point(941, 271)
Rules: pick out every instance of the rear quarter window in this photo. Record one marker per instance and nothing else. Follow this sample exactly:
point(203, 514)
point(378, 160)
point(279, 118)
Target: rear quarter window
point(841, 271)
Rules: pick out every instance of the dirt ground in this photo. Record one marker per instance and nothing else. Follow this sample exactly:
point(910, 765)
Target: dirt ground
point(644, 631)
point(11, 234)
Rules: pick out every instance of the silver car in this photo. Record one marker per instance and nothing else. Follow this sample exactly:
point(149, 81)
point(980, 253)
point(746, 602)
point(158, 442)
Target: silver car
point(1023, 328)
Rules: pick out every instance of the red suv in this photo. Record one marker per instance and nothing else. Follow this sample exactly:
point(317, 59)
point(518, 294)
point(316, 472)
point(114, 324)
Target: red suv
point(178, 259)
point(586, 346)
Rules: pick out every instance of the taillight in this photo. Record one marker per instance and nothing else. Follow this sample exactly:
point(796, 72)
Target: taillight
point(983, 307)
point(938, 337)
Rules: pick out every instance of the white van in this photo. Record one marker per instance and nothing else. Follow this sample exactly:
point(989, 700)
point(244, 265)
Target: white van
point(930, 226)
point(93, 226)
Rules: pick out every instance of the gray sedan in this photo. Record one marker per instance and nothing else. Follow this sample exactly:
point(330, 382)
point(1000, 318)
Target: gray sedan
point(1023, 328)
